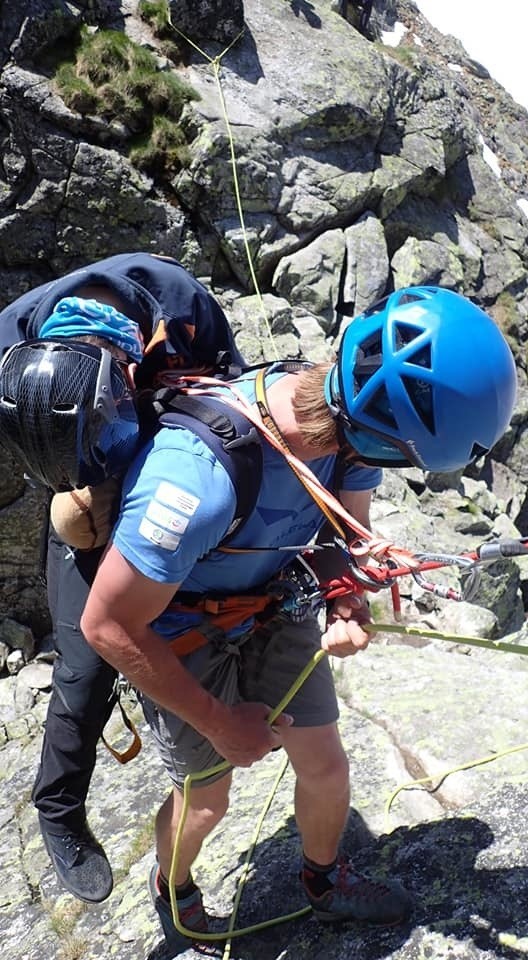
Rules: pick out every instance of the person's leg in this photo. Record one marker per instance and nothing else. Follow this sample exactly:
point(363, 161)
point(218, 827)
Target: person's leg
point(273, 659)
point(207, 806)
point(80, 705)
point(335, 890)
point(184, 751)
point(322, 794)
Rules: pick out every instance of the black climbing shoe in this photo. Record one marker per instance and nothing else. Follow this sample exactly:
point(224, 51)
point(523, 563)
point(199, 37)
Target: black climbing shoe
point(80, 863)
point(354, 897)
point(191, 915)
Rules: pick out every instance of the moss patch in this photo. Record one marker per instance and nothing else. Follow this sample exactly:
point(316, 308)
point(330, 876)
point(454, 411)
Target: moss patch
point(111, 76)
point(157, 14)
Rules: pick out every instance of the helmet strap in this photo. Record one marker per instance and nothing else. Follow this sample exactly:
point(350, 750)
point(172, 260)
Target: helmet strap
point(103, 399)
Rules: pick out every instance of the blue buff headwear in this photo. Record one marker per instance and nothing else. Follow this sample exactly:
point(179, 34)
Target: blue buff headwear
point(75, 317)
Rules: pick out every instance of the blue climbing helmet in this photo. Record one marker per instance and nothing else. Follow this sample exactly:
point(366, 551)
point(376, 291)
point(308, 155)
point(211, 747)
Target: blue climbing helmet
point(67, 413)
point(422, 377)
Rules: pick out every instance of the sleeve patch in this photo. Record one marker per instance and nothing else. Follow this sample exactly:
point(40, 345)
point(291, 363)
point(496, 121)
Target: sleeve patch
point(174, 496)
point(158, 536)
point(163, 517)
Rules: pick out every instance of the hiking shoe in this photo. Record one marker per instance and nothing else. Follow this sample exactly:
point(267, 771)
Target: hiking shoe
point(80, 863)
point(355, 897)
point(190, 912)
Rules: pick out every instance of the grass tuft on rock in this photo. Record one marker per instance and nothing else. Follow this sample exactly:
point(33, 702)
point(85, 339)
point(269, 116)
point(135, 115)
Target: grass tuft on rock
point(111, 76)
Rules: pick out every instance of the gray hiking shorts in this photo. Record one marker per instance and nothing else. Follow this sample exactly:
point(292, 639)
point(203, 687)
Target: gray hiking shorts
point(260, 666)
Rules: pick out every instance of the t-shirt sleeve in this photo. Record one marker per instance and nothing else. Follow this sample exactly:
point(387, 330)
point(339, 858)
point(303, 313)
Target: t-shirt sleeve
point(178, 503)
point(361, 478)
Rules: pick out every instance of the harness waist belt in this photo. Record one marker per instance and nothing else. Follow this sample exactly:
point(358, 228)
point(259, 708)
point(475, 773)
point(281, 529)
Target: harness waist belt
point(218, 617)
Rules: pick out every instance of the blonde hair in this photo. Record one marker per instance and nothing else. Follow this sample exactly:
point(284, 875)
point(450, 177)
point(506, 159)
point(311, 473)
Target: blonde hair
point(314, 421)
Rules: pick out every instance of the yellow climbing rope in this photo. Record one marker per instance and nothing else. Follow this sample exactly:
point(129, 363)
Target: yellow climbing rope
point(215, 63)
point(230, 933)
point(440, 777)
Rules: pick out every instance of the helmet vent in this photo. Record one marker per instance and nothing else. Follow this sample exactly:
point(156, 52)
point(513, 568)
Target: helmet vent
point(409, 298)
point(478, 451)
point(405, 333)
point(379, 409)
point(422, 357)
point(369, 359)
point(370, 347)
point(421, 396)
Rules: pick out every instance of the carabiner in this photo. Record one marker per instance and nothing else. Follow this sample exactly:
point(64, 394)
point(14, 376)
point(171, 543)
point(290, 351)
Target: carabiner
point(469, 589)
point(371, 578)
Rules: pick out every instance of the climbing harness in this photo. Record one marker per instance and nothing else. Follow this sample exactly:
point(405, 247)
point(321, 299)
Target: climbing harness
point(217, 617)
point(372, 563)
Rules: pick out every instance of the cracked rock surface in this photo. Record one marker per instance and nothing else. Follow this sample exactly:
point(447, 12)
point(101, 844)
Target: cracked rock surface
point(457, 842)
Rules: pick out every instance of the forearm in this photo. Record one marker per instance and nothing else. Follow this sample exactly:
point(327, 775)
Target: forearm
point(241, 733)
point(116, 622)
point(148, 663)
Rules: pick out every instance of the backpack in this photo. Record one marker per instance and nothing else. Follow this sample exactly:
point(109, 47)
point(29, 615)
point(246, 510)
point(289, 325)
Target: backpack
point(233, 439)
point(198, 334)
point(83, 519)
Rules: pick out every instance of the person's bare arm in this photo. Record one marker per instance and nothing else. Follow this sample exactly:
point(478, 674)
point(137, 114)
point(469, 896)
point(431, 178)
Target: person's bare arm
point(116, 623)
point(343, 636)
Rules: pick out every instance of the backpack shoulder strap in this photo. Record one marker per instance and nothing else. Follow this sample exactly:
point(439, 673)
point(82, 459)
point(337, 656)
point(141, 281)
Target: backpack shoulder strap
point(234, 440)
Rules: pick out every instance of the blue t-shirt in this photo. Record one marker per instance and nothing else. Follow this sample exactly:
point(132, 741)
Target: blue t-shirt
point(178, 504)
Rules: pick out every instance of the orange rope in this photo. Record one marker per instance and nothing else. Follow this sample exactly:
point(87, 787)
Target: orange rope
point(375, 547)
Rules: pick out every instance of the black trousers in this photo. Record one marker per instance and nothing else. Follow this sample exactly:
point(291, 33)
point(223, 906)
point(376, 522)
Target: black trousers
point(82, 697)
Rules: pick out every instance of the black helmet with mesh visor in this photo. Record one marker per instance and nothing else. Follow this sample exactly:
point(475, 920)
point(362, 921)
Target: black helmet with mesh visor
point(66, 412)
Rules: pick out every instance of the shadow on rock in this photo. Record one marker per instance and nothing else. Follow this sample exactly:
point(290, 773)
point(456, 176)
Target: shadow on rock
point(454, 895)
point(460, 891)
point(307, 10)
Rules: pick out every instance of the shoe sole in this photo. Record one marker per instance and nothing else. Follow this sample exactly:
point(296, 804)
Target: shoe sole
point(364, 921)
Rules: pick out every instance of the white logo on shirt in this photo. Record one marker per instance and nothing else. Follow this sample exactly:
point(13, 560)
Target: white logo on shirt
point(162, 538)
point(176, 497)
point(166, 518)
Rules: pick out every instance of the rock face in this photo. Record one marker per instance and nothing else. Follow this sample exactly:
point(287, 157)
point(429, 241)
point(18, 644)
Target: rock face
point(457, 841)
point(220, 20)
point(351, 180)
point(359, 167)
